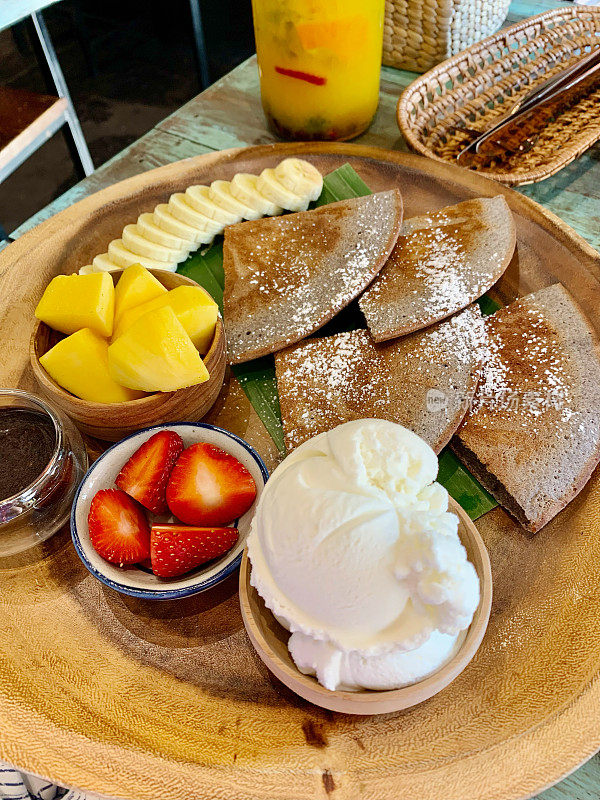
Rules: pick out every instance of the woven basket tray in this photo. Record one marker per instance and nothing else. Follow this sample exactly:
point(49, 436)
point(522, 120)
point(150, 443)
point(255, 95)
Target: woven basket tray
point(418, 34)
point(476, 86)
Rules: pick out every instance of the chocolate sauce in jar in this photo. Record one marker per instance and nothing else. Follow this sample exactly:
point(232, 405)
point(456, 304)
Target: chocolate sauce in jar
point(27, 443)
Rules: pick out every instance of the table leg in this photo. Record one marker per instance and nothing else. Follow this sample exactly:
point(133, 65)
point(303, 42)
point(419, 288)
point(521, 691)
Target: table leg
point(56, 72)
point(200, 42)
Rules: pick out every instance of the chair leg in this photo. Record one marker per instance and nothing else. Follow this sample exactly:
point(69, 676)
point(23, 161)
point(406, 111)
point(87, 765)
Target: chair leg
point(76, 134)
point(201, 56)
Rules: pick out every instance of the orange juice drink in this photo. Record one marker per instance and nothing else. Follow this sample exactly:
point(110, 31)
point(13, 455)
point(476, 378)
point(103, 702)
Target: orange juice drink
point(319, 63)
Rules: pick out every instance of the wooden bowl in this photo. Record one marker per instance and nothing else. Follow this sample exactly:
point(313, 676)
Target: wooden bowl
point(113, 421)
point(270, 642)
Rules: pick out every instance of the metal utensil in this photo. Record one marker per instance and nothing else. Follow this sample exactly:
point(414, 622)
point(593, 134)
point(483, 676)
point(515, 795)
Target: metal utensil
point(551, 89)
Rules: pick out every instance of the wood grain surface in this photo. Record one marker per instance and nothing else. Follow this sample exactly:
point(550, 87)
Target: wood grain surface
point(137, 700)
point(573, 194)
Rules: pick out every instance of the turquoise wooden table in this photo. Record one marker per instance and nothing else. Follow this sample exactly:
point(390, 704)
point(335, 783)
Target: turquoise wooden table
point(229, 114)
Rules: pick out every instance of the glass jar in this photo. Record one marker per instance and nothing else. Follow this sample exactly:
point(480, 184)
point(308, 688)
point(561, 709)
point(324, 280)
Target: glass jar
point(319, 63)
point(44, 460)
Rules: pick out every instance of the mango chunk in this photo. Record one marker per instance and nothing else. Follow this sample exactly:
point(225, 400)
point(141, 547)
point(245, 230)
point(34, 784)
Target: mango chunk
point(156, 355)
point(79, 364)
point(135, 287)
point(73, 302)
point(193, 307)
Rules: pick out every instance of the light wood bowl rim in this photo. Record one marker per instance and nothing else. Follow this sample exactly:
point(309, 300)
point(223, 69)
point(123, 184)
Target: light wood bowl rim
point(66, 399)
point(368, 701)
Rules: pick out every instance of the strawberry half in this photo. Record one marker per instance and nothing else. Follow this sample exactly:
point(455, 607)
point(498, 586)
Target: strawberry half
point(118, 528)
point(175, 549)
point(209, 487)
point(144, 477)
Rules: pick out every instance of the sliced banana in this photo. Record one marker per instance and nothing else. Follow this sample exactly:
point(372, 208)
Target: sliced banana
point(125, 258)
point(148, 228)
point(220, 193)
point(243, 188)
point(300, 177)
point(184, 212)
point(167, 222)
point(164, 238)
point(269, 184)
point(135, 241)
point(199, 199)
point(104, 263)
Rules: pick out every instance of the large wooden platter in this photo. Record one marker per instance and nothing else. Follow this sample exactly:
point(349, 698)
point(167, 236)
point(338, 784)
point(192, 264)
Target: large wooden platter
point(141, 700)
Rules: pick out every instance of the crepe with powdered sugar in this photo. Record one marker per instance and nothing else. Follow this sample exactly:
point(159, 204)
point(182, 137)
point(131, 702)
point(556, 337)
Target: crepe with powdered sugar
point(425, 381)
point(441, 263)
point(285, 277)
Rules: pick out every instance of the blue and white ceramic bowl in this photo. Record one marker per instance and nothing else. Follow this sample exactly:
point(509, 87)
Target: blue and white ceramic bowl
point(138, 581)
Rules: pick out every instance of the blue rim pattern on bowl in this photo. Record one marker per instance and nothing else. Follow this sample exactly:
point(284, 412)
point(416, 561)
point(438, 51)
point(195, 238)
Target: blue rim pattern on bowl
point(167, 594)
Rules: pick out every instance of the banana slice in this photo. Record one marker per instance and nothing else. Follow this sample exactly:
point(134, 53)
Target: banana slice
point(104, 263)
point(199, 199)
point(125, 258)
point(269, 184)
point(184, 212)
point(164, 238)
point(167, 222)
point(220, 193)
point(300, 177)
point(140, 246)
point(243, 188)
point(148, 228)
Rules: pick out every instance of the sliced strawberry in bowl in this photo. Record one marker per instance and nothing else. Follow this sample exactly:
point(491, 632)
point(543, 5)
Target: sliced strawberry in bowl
point(208, 486)
point(118, 528)
point(228, 483)
point(177, 549)
point(145, 475)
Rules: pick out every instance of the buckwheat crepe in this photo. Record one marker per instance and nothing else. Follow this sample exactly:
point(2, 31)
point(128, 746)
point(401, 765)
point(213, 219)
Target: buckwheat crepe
point(533, 434)
point(440, 264)
point(287, 276)
point(425, 381)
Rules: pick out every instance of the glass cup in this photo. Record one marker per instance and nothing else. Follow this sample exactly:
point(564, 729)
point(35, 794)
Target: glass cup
point(319, 63)
point(43, 506)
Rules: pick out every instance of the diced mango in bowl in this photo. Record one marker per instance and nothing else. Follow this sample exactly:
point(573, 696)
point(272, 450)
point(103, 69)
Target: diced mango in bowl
point(156, 354)
point(135, 287)
point(79, 364)
point(196, 311)
point(157, 336)
point(72, 302)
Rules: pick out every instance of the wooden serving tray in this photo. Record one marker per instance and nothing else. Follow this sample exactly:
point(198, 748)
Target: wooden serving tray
point(141, 700)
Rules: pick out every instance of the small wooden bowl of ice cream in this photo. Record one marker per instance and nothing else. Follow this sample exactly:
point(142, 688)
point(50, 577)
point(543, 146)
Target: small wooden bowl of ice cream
point(270, 638)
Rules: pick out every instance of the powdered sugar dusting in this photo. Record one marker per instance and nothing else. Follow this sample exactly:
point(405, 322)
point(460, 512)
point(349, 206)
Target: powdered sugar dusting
point(525, 368)
point(324, 382)
point(287, 276)
point(440, 264)
point(535, 422)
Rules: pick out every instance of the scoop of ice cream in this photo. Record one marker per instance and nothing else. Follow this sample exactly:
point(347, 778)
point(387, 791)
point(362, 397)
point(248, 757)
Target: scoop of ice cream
point(350, 669)
point(352, 545)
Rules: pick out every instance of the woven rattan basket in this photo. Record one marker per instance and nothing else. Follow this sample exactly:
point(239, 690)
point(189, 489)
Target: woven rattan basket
point(474, 87)
point(418, 34)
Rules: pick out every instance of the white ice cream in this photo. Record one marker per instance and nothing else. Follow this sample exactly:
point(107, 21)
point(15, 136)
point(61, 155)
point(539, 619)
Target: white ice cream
point(354, 551)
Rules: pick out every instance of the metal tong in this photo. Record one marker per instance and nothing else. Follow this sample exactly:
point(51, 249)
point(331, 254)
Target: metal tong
point(548, 90)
